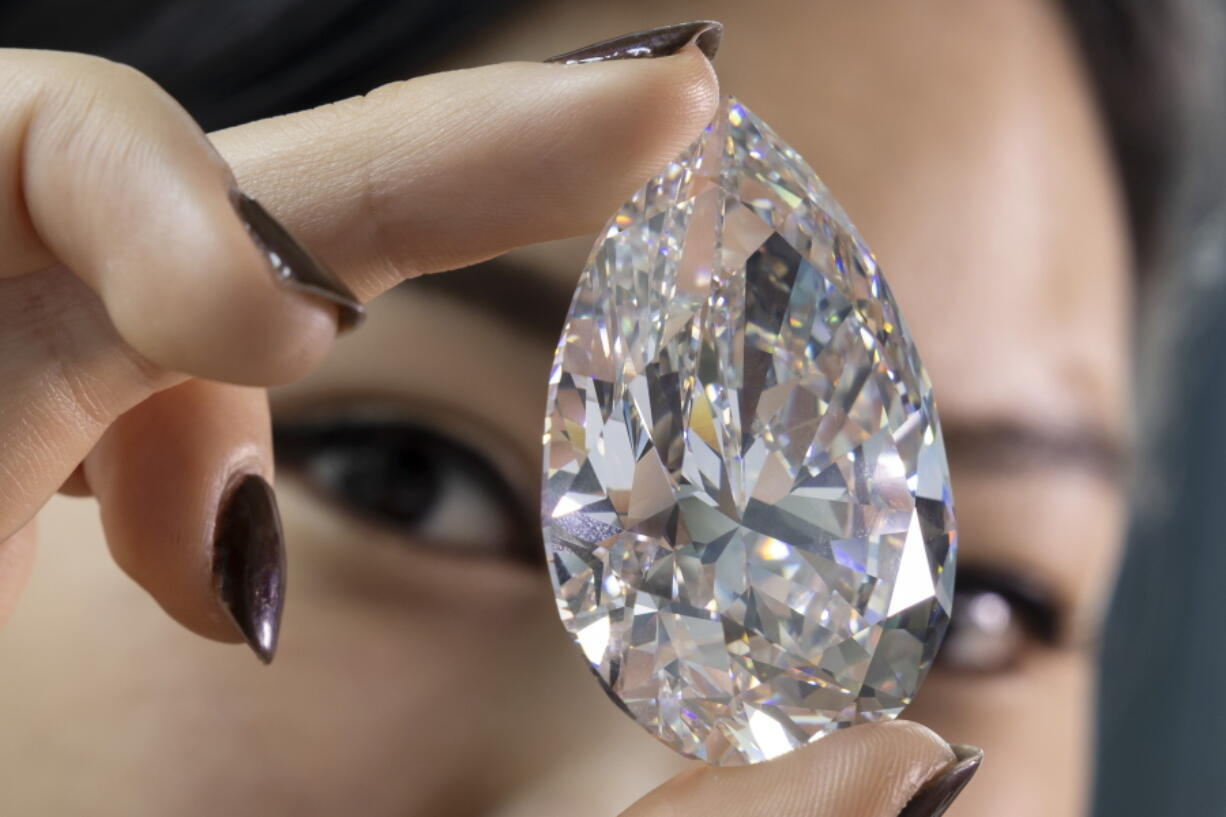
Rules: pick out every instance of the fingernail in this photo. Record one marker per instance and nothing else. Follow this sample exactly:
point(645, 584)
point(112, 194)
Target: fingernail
point(938, 794)
point(656, 42)
point(294, 266)
point(249, 563)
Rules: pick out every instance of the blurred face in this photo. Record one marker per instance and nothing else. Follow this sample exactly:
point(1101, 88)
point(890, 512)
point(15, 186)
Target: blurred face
point(422, 668)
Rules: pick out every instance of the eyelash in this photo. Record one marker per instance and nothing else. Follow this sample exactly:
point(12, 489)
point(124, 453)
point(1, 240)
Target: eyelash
point(438, 464)
point(401, 475)
point(995, 615)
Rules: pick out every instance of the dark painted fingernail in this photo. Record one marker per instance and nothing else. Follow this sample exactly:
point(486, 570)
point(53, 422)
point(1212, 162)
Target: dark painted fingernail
point(249, 562)
point(656, 42)
point(294, 266)
point(938, 794)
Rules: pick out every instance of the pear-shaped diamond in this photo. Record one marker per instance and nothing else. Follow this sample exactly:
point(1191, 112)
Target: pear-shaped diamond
point(746, 505)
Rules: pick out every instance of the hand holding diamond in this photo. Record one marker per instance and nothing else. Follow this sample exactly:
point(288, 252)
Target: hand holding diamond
point(162, 302)
point(142, 296)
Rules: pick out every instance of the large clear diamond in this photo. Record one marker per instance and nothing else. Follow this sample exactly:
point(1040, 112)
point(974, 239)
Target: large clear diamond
point(746, 507)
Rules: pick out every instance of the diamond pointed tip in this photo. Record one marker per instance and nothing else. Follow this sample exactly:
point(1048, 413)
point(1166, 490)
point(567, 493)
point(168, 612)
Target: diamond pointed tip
point(747, 508)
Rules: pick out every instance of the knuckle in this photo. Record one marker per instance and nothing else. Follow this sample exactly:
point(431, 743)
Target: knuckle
point(71, 81)
point(92, 78)
point(83, 110)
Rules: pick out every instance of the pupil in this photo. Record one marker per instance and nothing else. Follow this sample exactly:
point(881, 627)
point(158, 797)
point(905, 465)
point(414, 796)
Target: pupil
point(392, 472)
point(395, 482)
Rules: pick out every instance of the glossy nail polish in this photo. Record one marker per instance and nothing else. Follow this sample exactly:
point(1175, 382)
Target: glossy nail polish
point(938, 794)
point(249, 562)
point(294, 266)
point(656, 42)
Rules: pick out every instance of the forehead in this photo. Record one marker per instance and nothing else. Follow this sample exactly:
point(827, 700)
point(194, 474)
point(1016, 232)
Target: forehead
point(964, 143)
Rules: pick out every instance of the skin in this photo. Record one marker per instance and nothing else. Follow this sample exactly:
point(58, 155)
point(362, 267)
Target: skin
point(962, 140)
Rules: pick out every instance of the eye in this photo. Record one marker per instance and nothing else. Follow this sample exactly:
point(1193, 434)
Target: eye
point(996, 617)
point(416, 480)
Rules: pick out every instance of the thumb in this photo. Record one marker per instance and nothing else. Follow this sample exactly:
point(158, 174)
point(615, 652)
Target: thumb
point(873, 770)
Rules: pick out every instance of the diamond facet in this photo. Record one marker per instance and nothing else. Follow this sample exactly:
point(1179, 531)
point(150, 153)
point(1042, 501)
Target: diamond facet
point(746, 504)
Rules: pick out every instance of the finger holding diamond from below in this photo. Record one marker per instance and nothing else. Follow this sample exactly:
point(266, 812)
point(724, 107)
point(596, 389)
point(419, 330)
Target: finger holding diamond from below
point(874, 770)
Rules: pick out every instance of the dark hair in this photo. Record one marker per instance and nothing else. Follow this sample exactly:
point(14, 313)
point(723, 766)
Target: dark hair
point(233, 61)
point(1161, 79)
point(1133, 51)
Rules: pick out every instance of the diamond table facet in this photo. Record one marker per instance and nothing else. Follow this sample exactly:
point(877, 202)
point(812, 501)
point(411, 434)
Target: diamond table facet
point(746, 506)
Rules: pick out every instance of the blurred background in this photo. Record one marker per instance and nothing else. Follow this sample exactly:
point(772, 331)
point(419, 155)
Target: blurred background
point(1157, 71)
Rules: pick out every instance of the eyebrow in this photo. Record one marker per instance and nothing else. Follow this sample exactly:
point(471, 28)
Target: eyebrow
point(525, 300)
point(1008, 445)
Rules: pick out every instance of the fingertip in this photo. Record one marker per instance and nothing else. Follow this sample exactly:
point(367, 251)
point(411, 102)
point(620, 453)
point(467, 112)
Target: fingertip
point(704, 86)
point(908, 752)
point(296, 267)
point(631, 118)
point(166, 475)
point(655, 107)
point(687, 102)
point(869, 770)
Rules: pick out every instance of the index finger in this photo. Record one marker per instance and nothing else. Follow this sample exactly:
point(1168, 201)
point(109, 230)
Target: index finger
point(449, 169)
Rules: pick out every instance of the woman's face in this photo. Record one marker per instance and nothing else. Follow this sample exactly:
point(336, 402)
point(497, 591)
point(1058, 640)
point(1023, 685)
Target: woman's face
point(422, 669)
